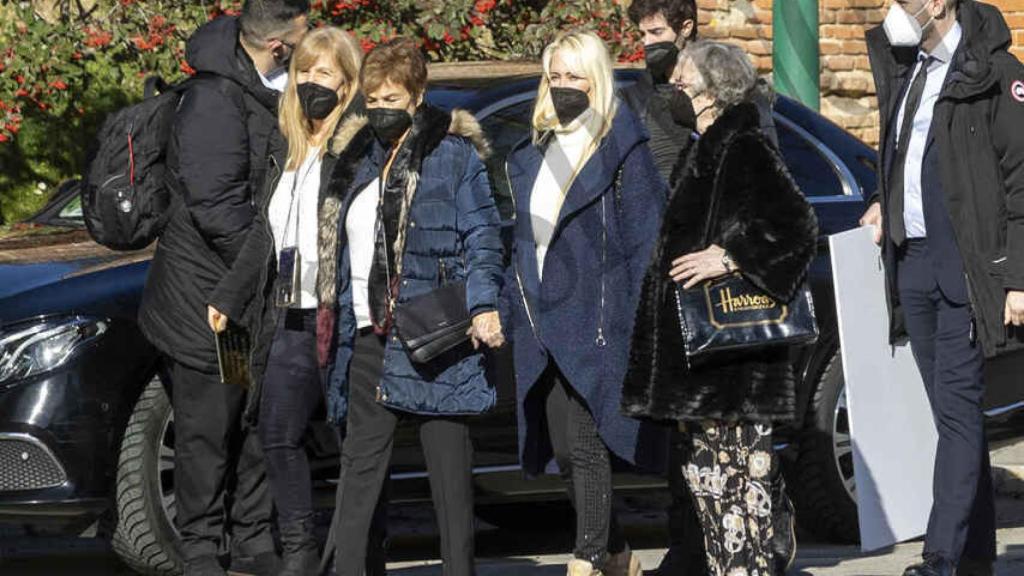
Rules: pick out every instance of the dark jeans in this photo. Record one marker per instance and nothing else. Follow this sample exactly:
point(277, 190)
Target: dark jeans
point(365, 458)
point(584, 463)
point(220, 483)
point(291, 393)
point(962, 521)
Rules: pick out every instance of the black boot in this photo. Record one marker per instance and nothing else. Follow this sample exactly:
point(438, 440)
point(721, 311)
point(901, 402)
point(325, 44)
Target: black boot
point(783, 522)
point(300, 554)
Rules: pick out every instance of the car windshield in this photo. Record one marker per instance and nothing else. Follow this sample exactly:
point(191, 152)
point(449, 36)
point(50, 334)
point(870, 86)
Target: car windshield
point(72, 210)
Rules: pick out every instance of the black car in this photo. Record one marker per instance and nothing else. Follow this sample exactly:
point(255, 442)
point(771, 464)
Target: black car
point(87, 432)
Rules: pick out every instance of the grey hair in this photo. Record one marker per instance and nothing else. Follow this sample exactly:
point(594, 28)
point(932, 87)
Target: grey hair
point(728, 76)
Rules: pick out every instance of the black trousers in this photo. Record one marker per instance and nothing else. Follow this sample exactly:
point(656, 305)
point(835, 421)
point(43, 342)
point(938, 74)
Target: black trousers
point(686, 536)
point(220, 483)
point(962, 521)
point(366, 455)
point(584, 463)
point(291, 393)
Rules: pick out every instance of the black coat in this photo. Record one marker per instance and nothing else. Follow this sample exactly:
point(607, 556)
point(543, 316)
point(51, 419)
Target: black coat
point(770, 230)
point(977, 130)
point(224, 133)
point(668, 138)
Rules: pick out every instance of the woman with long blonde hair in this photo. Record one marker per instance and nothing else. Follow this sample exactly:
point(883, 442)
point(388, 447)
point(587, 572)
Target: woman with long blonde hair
point(280, 256)
point(588, 197)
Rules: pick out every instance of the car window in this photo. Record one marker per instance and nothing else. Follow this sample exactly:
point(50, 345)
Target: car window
point(73, 209)
point(812, 171)
point(505, 128)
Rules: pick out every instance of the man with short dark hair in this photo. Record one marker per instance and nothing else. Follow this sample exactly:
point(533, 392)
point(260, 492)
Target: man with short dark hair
point(224, 131)
point(666, 26)
point(949, 215)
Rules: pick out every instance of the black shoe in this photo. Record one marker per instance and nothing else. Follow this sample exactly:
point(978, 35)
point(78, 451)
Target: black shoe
point(203, 566)
point(969, 567)
point(262, 564)
point(932, 566)
point(784, 528)
point(300, 554)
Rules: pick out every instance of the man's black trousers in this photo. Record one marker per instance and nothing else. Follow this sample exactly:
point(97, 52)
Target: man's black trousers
point(220, 482)
point(962, 521)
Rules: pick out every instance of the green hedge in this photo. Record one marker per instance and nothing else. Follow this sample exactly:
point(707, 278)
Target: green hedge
point(65, 66)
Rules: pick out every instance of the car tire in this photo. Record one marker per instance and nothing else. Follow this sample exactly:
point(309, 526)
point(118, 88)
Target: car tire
point(821, 478)
point(144, 536)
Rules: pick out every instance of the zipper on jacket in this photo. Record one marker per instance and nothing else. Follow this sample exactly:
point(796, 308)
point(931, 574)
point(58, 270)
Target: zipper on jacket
point(515, 263)
point(970, 310)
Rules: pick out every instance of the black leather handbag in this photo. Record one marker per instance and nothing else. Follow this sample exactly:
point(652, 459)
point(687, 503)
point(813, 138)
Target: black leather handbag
point(433, 323)
point(731, 313)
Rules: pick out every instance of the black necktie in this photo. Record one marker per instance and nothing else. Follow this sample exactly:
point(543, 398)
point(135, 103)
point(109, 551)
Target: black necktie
point(897, 228)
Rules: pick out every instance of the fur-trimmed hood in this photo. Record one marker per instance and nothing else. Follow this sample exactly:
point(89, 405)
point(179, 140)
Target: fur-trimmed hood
point(770, 230)
point(353, 144)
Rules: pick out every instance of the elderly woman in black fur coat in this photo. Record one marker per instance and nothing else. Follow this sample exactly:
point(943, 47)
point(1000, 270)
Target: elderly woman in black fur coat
point(766, 230)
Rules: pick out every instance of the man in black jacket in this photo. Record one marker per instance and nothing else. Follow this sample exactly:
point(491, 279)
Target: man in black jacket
point(950, 219)
point(666, 26)
point(224, 131)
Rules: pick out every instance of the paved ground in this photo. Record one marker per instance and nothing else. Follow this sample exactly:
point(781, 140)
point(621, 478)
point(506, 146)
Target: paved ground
point(540, 550)
point(519, 553)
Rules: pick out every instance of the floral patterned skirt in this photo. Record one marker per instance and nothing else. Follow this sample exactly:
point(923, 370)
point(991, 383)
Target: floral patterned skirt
point(728, 470)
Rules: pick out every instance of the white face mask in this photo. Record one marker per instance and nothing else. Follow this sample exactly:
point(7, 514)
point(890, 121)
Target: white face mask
point(902, 28)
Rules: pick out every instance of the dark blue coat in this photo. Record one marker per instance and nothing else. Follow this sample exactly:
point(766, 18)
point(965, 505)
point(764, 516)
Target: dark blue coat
point(453, 219)
point(603, 237)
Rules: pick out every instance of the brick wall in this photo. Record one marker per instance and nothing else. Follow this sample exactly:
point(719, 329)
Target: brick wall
point(846, 84)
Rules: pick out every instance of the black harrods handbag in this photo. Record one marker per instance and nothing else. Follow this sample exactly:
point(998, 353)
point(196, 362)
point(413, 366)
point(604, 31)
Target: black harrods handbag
point(732, 314)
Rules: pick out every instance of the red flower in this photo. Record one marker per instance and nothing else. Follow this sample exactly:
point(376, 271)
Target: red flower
point(367, 44)
point(96, 38)
point(186, 69)
point(476, 20)
point(19, 79)
point(76, 55)
point(484, 6)
point(464, 33)
point(448, 38)
point(59, 85)
point(3, 137)
point(21, 93)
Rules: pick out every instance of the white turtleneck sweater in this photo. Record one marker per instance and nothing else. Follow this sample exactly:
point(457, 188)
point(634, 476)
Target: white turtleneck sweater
point(561, 164)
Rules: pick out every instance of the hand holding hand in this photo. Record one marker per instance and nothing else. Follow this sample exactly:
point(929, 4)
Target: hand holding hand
point(486, 329)
point(696, 267)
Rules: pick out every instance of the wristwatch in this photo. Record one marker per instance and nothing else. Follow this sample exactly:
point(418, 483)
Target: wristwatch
point(728, 263)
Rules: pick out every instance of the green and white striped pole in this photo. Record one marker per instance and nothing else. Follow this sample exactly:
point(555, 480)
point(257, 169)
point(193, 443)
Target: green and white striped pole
point(795, 50)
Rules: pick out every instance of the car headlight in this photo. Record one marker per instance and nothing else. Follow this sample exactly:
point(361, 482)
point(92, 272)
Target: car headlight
point(31, 349)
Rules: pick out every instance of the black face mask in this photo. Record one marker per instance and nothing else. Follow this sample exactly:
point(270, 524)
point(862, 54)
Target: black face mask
point(661, 59)
point(317, 101)
point(682, 110)
point(569, 104)
point(388, 123)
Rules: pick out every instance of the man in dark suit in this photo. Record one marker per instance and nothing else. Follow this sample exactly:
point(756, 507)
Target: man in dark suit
point(950, 218)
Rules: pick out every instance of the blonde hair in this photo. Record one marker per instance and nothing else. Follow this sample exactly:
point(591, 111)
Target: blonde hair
point(295, 127)
point(586, 56)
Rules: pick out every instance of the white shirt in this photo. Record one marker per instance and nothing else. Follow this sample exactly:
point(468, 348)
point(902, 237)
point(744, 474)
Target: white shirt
point(293, 220)
point(913, 207)
point(276, 80)
point(360, 225)
point(561, 164)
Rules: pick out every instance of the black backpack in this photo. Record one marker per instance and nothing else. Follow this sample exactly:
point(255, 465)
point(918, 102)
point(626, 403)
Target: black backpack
point(130, 183)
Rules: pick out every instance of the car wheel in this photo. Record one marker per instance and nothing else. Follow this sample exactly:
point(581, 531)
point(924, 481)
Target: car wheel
point(822, 486)
point(144, 535)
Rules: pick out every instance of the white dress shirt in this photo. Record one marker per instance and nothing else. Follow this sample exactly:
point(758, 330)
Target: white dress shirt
point(293, 220)
point(276, 80)
point(938, 69)
point(360, 228)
